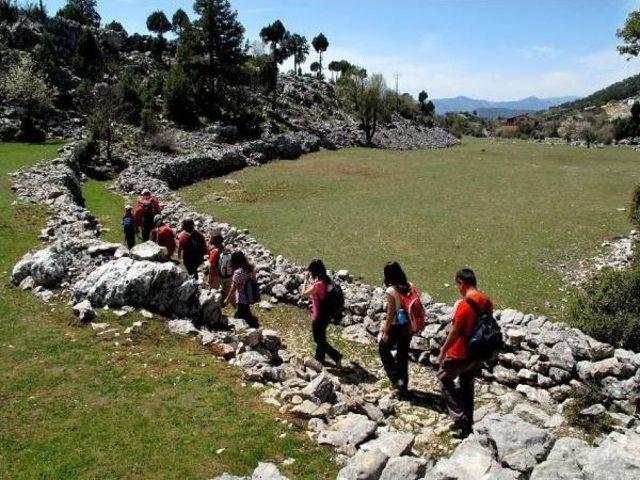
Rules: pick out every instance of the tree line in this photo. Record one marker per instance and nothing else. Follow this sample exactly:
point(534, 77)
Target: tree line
point(203, 73)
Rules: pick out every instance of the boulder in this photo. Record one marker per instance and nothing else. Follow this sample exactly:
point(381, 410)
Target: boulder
point(470, 461)
point(149, 251)
point(392, 444)
point(267, 471)
point(520, 445)
point(160, 287)
point(405, 468)
point(617, 457)
point(84, 311)
point(365, 465)
point(322, 388)
point(351, 429)
point(271, 340)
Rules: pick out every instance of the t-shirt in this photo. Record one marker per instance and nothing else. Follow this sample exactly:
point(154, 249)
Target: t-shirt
point(396, 296)
point(465, 316)
point(317, 297)
point(165, 237)
point(240, 277)
point(214, 256)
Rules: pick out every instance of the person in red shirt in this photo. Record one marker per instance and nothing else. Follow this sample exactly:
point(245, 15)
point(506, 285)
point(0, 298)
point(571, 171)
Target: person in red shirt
point(454, 358)
point(220, 269)
point(146, 210)
point(192, 247)
point(163, 235)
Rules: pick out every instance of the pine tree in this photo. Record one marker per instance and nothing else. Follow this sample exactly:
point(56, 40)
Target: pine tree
point(221, 36)
point(88, 59)
point(180, 21)
point(320, 45)
point(299, 48)
point(82, 11)
point(158, 23)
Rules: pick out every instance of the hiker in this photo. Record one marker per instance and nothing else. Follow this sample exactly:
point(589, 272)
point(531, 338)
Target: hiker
point(454, 359)
point(316, 286)
point(129, 227)
point(192, 247)
point(396, 330)
point(243, 288)
point(146, 210)
point(220, 270)
point(163, 235)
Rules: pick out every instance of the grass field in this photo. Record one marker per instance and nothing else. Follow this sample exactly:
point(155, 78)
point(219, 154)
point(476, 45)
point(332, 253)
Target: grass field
point(76, 405)
point(513, 211)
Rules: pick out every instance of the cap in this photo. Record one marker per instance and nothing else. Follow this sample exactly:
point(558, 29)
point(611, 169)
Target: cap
point(146, 191)
point(128, 207)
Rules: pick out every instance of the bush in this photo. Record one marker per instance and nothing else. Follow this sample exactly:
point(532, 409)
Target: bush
point(148, 120)
point(605, 134)
point(609, 309)
point(165, 141)
point(86, 151)
point(583, 398)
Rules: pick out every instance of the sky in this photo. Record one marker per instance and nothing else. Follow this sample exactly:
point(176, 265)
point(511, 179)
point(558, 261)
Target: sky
point(490, 49)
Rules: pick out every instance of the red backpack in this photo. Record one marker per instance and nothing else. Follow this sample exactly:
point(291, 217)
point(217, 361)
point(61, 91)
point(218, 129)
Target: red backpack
point(415, 310)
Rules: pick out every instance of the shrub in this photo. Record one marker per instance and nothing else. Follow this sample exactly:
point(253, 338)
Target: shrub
point(127, 92)
point(583, 398)
point(609, 310)
point(605, 134)
point(86, 151)
point(165, 141)
point(148, 120)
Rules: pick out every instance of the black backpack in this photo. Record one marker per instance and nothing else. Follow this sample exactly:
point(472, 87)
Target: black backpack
point(332, 305)
point(195, 247)
point(252, 290)
point(485, 341)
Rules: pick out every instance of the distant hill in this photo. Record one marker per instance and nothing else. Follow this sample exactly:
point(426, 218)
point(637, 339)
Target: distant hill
point(629, 87)
point(494, 113)
point(505, 109)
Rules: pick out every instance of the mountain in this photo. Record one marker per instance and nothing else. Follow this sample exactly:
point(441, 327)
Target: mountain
point(514, 107)
point(629, 87)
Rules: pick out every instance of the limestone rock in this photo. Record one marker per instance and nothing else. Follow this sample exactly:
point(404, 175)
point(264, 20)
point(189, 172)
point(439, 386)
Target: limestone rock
point(405, 468)
point(392, 444)
point(351, 429)
point(365, 465)
point(149, 251)
point(84, 311)
point(267, 471)
point(519, 444)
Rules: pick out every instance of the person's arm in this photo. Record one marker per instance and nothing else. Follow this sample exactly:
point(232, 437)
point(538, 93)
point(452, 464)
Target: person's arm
point(454, 334)
point(308, 289)
point(391, 317)
point(230, 295)
point(180, 245)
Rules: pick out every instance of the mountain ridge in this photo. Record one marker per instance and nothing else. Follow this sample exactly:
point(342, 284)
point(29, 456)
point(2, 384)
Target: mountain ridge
point(532, 103)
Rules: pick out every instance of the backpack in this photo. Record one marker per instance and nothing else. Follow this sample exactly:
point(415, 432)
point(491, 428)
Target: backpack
point(252, 290)
point(332, 305)
point(195, 247)
point(128, 222)
point(225, 270)
point(415, 310)
point(148, 213)
point(486, 338)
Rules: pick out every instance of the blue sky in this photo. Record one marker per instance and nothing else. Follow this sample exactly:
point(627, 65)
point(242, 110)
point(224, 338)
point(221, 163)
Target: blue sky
point(493, 49)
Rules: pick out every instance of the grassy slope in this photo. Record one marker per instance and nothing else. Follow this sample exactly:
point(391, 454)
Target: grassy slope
point(506, 209)
point(75, 405)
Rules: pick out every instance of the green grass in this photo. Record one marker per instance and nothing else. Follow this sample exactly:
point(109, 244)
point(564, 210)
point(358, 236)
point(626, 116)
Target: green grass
point(76, 405)
point(108, 208)
point(513, 211)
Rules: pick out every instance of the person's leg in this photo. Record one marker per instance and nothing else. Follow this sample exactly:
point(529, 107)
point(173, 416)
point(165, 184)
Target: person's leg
point(145, 233)
point(334, 354)
point(131, 240)
point(319, 330)
point(388, 362)
point(467, 381)
point(447, 375)
point(402, 359)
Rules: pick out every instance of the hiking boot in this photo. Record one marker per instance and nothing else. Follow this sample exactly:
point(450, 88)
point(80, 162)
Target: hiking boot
point(462, 433)
point(338, 362)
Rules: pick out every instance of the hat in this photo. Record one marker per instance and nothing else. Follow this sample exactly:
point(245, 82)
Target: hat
point(128, 207)
point(146, 191)
point(157, 219)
